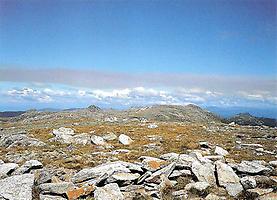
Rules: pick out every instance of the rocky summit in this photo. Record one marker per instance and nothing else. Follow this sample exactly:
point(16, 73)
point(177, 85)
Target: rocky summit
point(157, 152)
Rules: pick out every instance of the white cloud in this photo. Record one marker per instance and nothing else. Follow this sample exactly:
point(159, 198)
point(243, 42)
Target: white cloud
point(45, 99)
point(136, 96)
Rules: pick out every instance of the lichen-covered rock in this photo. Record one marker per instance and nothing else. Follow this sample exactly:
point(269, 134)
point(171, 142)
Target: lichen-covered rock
point(166, 171)
point(252, 167)
point(100, 170)
point(151, 163)
point(248, 182)
point(56, 188)
point(109, 136)
point(10, 141)
point(18, 187)
point(198, 187)
point(204, 172)
point(228, 179)
point(75, 193)
point(82, 139)
point(6, 169)
point(110, 192)
point(63, 135)
point(27, 166)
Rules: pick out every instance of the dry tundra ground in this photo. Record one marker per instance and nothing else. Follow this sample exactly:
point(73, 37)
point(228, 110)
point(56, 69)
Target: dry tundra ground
point(168, 137)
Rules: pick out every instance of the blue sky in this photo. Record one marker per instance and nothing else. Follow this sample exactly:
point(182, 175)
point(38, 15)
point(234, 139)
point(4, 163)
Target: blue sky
point(130, 40)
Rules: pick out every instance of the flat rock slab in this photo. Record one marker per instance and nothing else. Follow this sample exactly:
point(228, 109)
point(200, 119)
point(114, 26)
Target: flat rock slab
point(108, 168)
point(166, 171)
point(204, 172)
point(251, 167)
point(50, 197)
point(220, 151)
point(110, 192)
point(56, 188)
point(225, 174)
point(228, 179)
point(27, 166)
point(10, 141)
point(151, 163)
point(177, 173)
point(121, 176)
point(7, 168)
point(18, 187)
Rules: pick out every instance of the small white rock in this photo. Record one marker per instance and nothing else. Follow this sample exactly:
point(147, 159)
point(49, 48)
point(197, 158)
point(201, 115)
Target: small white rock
point(97, 140)
point(220, 151)
point(125, 139)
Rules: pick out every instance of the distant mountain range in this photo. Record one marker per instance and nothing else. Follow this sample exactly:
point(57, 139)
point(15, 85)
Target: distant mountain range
point(11, 113)
point(248, 119)
point(171, 113)
point(270, 112)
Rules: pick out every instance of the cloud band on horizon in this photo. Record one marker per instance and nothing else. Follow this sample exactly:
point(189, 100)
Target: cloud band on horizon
point(83, 86)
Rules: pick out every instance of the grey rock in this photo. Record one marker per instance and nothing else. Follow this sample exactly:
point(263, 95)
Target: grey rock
point(248, 182)
point(220, 151)
point(213, 197)
point(27, 166)
point(198, 187)
point(151, 163)
point(225, 174)
point(56, 188)
point(123, 176)
point(6, 169)
point(273, 163)
point(198, 156)
point(228, 179)
point(185, 160)
point(100, 170)
point(63, 135)
point(82, 139)
point(131, 188)
point(252, 145)
point(10, 141)
point(204, 144)
point(110, 192)
point(204, 172)
point(252, 167)
point(170, 157)
point(144, 176)
point(42, 176)
point(152, 126)
point(260, 191)
point(183, 194)
point(215, 158)
point(97, 140)
point(18, 187)
point(177, 173)
point(234, 189)
point(50, 197)
point(109, 136)
point(166, 171)
point(125, 139)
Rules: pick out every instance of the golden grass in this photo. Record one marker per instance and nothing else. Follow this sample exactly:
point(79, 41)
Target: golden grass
point(176, 137)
